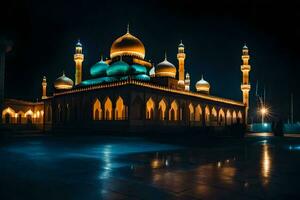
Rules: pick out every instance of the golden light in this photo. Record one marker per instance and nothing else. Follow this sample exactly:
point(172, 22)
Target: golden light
point(264, 111)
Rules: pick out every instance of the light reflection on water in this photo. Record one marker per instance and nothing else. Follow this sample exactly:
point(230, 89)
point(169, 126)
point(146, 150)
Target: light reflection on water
point(266, 164)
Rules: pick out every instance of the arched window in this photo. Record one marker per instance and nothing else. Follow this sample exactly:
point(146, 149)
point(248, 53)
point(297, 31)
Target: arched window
point(228, 118)
point(234, 117)
point(120, 109)
point(191, 113)
point(173, 112)
point(150, 109)
point(240, 117)
point(198, 113)
point(97, 111)
point(108, 109)
point(162, 110)
point(207, 116)
point(221, 117)
point(214, 116)
point(7, 114)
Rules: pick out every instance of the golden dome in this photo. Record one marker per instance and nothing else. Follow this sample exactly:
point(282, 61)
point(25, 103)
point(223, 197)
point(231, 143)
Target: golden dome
point(165, 69)
point(127, 45)
point(202, 86)
point(63, 83)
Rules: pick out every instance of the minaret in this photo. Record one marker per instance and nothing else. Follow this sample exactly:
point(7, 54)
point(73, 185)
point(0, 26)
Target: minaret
point(245, 86)
point(181, 58)
point(187, 82)
point(5, 46)
point(78, 58)
point(44, 86)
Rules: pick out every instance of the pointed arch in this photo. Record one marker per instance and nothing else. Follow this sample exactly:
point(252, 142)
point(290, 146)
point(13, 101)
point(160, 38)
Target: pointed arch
point(214, 116)
point(173, 111)
point(221, 117)
point(162, 107)
point(150, 109)
point(234, 117)
point(191, 115)
point(97, 110)
point(198, 113)
point(207, 116)
point(240, 117)
point(228, 118)
point(108, 109)
point(120, 109)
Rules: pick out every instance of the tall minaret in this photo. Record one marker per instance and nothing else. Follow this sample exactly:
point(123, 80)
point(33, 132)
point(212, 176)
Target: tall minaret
point(44, 86)
point(78, 58)
point(245, 86)
point(181, 58)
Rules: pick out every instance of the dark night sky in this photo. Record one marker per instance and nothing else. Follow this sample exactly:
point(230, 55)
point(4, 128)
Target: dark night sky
point(45, 32)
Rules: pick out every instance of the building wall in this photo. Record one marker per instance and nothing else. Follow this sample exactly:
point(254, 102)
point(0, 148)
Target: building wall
point(131, 106)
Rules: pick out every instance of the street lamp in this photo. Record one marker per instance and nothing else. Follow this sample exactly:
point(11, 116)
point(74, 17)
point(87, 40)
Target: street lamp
point(264, 112)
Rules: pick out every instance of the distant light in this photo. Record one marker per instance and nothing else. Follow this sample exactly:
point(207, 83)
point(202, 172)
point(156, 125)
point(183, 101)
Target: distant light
point(265, 124)
point(219, 164)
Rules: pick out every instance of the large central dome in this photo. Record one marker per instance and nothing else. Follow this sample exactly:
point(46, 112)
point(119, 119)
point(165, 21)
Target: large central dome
point(127, 45)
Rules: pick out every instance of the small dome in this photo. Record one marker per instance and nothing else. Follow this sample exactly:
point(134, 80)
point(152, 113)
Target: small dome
point(127, 45)
point(202, 86)
point(63, 83)
point(99, 69)
point(138, 69)
point(165, 69)
point(119, 68)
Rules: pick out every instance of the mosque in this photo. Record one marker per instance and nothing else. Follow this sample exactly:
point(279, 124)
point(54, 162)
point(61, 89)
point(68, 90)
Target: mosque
point(127, 92)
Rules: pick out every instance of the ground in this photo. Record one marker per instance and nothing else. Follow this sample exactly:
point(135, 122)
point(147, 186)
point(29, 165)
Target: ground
point(48, 167)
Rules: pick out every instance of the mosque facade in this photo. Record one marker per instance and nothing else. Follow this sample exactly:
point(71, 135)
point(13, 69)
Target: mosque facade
point(127, 92)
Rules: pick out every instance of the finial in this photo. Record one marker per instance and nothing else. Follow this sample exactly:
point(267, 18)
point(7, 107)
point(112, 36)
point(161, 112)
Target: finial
point(202, 77)
point(165, 55)
point(101, 57)
point(78, 42)
point(128, 28)
point(44, 77)
point(245, 46)
point(63, 72)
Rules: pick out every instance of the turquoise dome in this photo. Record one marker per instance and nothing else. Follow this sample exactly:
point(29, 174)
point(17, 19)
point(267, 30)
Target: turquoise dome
point(119, 68)
point(98, 81)
point(99, 69)
point(138, 69)
point(142, 77)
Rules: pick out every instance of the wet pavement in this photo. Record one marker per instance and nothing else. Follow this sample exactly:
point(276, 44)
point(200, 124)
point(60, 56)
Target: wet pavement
point(133, 168)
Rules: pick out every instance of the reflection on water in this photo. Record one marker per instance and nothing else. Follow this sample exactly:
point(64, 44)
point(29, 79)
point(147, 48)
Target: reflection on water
point(266, 164)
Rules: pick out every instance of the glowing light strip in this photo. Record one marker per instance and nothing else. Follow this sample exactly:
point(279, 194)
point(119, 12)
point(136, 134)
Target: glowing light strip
point(152, 86)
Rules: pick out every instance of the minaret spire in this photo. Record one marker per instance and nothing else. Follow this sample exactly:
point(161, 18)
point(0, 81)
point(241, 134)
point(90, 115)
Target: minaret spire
point(78, 59)
point(245, 86)
point(181, 59)
point(44, 88)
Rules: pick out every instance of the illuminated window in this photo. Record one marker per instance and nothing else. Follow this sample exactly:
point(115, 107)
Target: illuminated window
point(97, 111)
point(214, 116)
point(234, 117)
point(207, 115)
point(228, 118)
point(173, 112)
point(240, 117)
point(108, 109)
point(7, 115)
point(191, 112)
point(120, 109)
point(198, 113)
point(150, 109)
point(221, 117)
point(162, 110)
